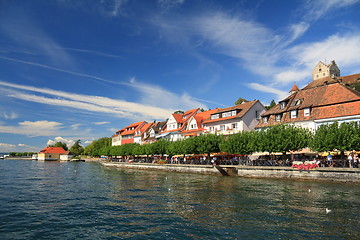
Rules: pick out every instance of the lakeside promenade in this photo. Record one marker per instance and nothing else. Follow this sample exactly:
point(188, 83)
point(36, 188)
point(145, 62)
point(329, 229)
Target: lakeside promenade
point(319, 174)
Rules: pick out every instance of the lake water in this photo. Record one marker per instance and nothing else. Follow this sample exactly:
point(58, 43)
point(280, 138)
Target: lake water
point(53, 200)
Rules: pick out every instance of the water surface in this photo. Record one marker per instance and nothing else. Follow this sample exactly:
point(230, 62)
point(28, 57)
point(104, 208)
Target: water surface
point(53, 200)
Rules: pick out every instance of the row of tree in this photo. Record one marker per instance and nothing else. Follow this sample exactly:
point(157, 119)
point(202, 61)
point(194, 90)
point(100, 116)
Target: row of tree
point(280, 138)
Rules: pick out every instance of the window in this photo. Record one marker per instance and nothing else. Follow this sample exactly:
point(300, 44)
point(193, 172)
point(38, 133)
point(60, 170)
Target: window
point(265, 119)
point(233, 113)
point(306, 112)
point(234, 126)
point(215, 116)
point(192, 126)
point(278, 117)
point(257, 115)
point(226, 114)
point(294, 113)
point(282, 105)
point(222, 127)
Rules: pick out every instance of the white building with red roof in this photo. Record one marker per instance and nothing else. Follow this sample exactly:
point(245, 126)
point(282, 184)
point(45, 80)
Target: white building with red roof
point(176, 124)
point(241, 117)
point(195, 125)
point(51, 154)
point(127, 134)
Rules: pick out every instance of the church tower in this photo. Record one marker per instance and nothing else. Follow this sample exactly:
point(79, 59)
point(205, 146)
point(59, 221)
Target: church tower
point(322, 70)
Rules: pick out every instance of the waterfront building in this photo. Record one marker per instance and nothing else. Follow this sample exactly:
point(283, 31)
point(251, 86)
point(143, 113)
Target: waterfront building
point(328, 98)
point(231, 120)
point(195, 126)
point(140, 132)
point(127, 134)
point(52, 154)
point(177, 123)
point(153, 132)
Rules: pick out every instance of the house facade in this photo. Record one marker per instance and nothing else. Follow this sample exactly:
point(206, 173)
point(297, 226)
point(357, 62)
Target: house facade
point(195, 126)
point(176, 124)
point(242, 117)
point(323, 101)
point(127, 134)
point(51, 154)
point(152, 134)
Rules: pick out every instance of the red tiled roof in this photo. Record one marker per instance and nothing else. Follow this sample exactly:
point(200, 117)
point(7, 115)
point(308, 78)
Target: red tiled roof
point(136, 126)
point(58, 150)
point(243, 109)
point(294, 88)
point(327, 101)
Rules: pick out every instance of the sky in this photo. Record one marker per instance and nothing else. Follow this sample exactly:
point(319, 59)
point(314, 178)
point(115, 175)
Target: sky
point(83, 69)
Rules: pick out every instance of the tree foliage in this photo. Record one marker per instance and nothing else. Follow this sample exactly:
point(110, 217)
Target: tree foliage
point(77, 149)
point(60, 144)
point(98, 147)
point(343, 137)
point(272, 104)
point(240, 101)
point(283, 138)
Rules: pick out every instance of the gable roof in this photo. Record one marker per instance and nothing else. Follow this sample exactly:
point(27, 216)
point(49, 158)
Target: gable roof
point(242, 109)
point(132, 128)
point(327, 101)
point(56, 150)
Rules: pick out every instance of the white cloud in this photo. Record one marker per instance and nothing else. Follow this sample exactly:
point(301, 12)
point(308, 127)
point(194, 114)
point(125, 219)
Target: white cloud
point(37, 128)
point(100, 123)
point(262, 88)
point(76, 126)
point(162, 98)
point(69, 142)
point(314, 10)
point(97, 104)
point(167, 5)
point(5, 147)
point(25, 32)
point(11, 115)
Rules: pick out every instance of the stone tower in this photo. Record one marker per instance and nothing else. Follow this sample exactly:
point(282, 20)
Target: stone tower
point(322, 70)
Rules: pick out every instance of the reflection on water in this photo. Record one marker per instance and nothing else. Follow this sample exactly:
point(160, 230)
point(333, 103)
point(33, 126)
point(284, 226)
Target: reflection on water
point(49, 200)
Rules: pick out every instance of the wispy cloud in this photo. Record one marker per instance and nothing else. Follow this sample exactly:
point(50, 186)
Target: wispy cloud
point(149, 93)
point(272, 54)
point(11, 115)
point(167, 5)
point(117, 108)
point(262, 88)
point(37, 128)
point(26, 34)
point(100, 123)
point(93, 52)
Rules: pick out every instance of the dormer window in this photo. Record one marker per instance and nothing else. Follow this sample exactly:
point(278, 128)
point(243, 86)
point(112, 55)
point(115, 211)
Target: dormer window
point(265, 119)
point(282, 105)
point(306, 112)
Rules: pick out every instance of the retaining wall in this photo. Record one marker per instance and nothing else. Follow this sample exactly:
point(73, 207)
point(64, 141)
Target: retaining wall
point(326, 174)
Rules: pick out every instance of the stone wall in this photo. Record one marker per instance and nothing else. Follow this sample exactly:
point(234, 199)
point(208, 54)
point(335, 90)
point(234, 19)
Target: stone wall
point(324, 174)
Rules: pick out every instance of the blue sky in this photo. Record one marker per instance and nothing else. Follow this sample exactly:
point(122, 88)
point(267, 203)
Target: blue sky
point(74, 69)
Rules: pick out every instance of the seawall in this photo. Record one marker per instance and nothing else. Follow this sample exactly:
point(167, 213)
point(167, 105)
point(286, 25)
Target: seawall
point(320, 174)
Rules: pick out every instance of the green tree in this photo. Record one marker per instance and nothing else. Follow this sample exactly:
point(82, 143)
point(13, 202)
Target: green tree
point(208, 143)
point(160, 147)
point(272, 104)
point(94, 149)
point(60, 144)
point(343, 137)
point(283, 138)
point(77, 149)
point(240, 101)
point(240, 143)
